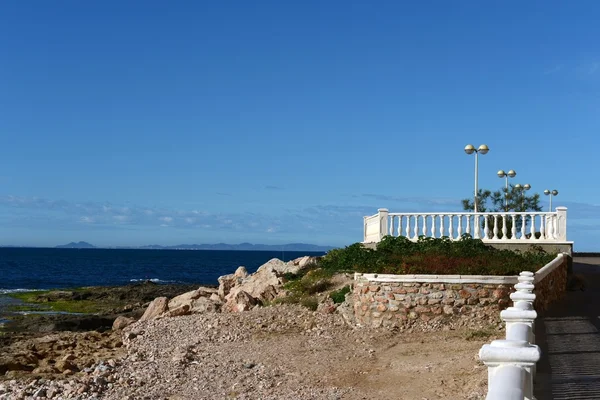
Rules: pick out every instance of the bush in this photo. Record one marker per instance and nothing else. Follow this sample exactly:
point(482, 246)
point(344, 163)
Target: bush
point(440, 256)
point(314, 281)
point(338, 296)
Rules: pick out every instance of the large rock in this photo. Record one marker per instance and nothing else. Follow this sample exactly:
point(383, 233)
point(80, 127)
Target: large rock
point(293, 266)
point(195, 306)
point(203, 304)
point(241, 301)
point(227, 282)
point(121, 322)
point(179, 311)
point(261, 285)
point(187, 297)
point(156, 307)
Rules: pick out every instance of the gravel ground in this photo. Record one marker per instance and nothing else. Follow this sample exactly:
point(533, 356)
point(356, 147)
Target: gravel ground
point(282, 352)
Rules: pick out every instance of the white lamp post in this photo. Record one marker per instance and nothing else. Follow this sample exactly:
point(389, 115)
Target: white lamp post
point(552, 194)
point(510, 174)
point(522, 188)
point(470, 149)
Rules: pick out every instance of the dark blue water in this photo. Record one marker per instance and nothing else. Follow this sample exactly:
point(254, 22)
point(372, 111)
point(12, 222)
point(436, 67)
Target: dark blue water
point(22, 268)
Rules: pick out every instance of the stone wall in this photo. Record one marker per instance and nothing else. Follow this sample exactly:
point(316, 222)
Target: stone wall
point(550, 284)
point(402, 304)
point(435, 300)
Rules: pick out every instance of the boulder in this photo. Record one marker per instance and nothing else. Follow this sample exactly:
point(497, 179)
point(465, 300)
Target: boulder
point(227, 282)
point(156, 307)
point(263, 285)
point(241, 301)
point(204, 304)
point(293, 266)
point(187, 297)
point(62, 365)
point(121, 322)
point(179, 311)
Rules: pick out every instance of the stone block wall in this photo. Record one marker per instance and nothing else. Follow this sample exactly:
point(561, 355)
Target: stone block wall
point(434, 300)
point(550, 284)
point(402, 304)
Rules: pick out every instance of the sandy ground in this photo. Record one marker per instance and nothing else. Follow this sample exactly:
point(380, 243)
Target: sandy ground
point(283, 352)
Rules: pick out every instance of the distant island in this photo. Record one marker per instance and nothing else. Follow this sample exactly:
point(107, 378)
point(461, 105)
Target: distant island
point(217, 246)
point(79, 245)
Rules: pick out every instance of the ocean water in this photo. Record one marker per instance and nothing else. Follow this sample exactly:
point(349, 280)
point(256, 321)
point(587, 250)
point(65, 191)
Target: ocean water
point(30, 269)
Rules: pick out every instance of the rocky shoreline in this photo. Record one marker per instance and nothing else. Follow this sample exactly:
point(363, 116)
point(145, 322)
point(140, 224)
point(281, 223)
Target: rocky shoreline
point(234, 341)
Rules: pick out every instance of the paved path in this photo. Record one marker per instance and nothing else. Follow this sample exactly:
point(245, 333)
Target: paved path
point(569, 337)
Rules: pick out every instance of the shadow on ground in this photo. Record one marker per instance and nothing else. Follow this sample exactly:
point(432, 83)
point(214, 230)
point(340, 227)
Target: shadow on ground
point(569, 337)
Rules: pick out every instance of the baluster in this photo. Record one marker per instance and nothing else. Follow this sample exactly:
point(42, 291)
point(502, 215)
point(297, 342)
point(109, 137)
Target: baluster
point(532, 230)
point(441, 226)
point(476, 227)
point(433, 226)
point(468, 225)
point(549, 227)
point(399, 225)
point(416, 227)
point(392, 219)
point(408, 226)
point(542, 227)
point(523, 220)
point(459, 228)
point(495, 227)
point(424, 225)
point(451, 227)
point(486, 228)
point(504, 227)
point(513, 229)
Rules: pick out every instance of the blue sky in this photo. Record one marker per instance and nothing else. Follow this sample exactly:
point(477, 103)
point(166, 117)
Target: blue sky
point(139, 122)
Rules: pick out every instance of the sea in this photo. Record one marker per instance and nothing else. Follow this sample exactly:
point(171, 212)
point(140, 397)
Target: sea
point(26, 269)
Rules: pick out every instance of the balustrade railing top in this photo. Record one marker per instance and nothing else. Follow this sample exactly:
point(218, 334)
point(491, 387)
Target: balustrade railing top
point(488, 226)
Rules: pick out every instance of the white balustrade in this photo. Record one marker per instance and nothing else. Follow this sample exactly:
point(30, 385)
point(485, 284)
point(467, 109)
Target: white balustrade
point(502, 227)
point(512, 362)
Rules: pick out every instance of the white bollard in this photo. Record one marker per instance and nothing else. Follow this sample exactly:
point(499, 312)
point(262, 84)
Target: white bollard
point(502, 357)
point(522, 311)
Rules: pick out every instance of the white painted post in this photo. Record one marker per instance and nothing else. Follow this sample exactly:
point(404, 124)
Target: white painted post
point(383, 222)
point(502, 357)
point(561, 228)
point(522, 311)
point(365, 229)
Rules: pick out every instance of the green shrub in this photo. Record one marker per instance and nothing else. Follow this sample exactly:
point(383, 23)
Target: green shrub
point(314, 281)
point(309, 302)
point(440, 256)
point(338, 296)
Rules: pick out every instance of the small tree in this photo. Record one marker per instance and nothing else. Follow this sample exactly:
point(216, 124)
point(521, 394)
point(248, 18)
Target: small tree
point(501, 200)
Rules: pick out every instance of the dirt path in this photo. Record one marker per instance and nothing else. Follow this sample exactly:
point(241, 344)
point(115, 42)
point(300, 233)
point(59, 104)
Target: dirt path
point(283, 352)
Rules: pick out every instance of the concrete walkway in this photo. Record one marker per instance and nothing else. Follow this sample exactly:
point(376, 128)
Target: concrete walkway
point(569, 337)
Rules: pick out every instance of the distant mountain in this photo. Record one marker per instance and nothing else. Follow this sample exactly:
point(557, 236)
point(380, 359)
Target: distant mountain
point(246, 246)
point(73, 245)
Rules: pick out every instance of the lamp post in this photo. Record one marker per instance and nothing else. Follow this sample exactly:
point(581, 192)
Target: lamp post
point(470, 149)
point(552, 194)
point(522, 188)
point(510, 174)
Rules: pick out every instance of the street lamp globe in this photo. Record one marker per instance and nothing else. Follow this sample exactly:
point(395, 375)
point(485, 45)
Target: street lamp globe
point(518, 186)
point(512, 173)
point(501, 174)
point(554, 192)
point(546, 192)
point(483, 149)
point(469, 149)
point(527, 186)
